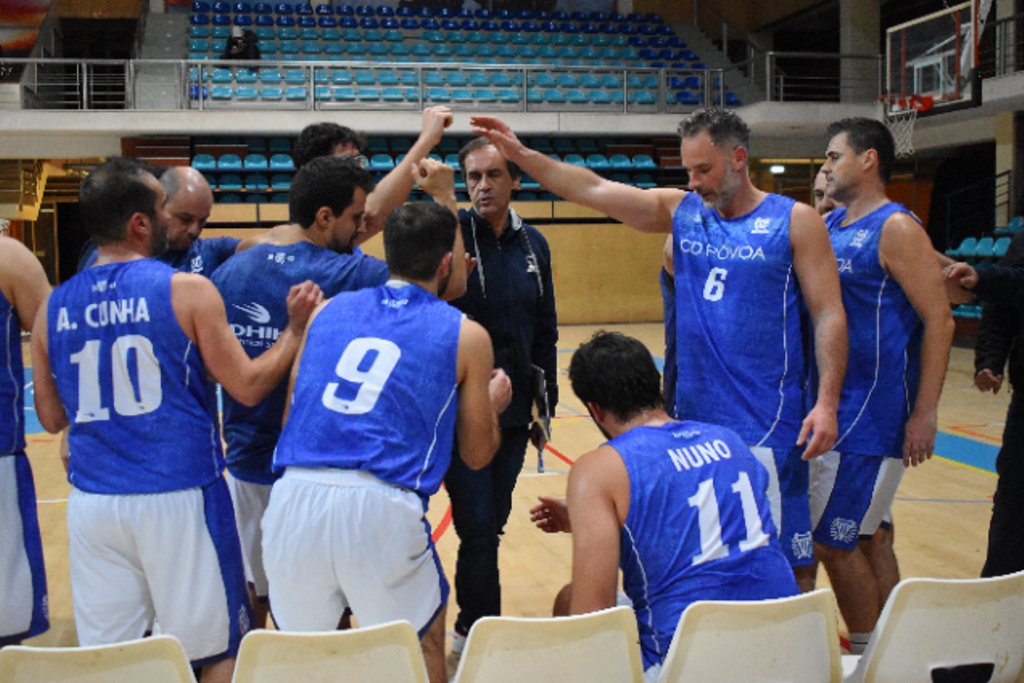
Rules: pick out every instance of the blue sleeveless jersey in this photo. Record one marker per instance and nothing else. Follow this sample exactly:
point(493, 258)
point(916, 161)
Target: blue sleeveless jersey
point(12, 382)
point(132, 383)
point(255, 286)
point(885, 340)
point(376, 388)
point(739, 349)
point(698, 528)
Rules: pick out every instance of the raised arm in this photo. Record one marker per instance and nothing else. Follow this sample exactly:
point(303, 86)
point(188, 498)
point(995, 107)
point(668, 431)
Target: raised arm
point(480, 402)
point(816, 269)
point(900, 247)
point(200, 313)
point(438, 180)
point(594, 494)
point(393, 190)
point(643, 210)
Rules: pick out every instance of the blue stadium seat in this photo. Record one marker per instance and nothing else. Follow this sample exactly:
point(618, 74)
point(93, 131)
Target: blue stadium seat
point(200, 7)
point(255, 162)
point(500, 80)
point(304, 9)
point(344, 94)
point(198, 32)
point(222, 20)
point(461, 95)
point(341, 77)
point(984, 248)
point(243, 20)
point(642, 97)
point(245, 92)
point(438, 95)
point(285, 20)
point(731, 100)
point(1001, 246)
point(230, 181)
point(271, 92)
point(229, 162)
point(687, 97)
point(368, 94)
point(264, 20)
point(221, 92)
point(222, 7)
point(484, 95)
point(381, 162)
point(256, 181)
point(507, 95)
point(619, 161)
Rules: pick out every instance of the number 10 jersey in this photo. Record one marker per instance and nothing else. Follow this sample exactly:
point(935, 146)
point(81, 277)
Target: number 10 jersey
point(739, 349)
point(132, 382)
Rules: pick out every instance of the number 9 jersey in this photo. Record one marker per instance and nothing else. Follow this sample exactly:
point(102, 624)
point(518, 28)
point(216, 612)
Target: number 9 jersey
point(133, 384)
point(376, 389)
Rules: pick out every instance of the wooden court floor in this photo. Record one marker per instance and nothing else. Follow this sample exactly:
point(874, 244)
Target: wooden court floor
point(941, 511)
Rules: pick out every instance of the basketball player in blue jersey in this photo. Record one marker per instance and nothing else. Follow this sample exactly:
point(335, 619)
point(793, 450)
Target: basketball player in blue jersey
point(642, 502)
point(900, 329)
point(743, 261)
point(327, 202)
point(120, 353)
point(385, 379)
point(23, 608)
point(189, 204)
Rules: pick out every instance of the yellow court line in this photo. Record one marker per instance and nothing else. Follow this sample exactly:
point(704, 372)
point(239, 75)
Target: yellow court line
point(970, 467)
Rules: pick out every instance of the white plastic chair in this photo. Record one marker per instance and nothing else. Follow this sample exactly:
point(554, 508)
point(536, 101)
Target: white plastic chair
point(159, 659)
point(936, 623)
point(389, 652)
point(790, 639)
point(601, 646)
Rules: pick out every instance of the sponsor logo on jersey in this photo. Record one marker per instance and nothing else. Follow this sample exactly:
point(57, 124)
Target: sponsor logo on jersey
point(394, 303)
point(761, 227)
point(197, 264)
point(858, 239)
point(802, 546)
point(843, 530)
point(256, 312)
point(724, 252)
point(280, 257)
point(102, 285)
point(689, 457)
point(260, 334)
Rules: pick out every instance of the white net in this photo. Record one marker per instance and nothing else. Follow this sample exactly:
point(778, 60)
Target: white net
point(900, 121)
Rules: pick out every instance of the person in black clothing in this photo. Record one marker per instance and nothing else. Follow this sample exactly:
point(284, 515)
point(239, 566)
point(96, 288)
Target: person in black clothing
point(999, 337)
point(242, 45)
point(1001, 325)
point(510, 293)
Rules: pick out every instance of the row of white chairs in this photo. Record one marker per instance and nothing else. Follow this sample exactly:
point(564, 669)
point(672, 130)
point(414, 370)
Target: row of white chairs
point(930, 630)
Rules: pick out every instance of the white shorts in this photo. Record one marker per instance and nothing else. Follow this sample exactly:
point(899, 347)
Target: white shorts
point(851, 495)
point(787, 493)
point(334, 539)
point(250, 501)
point(173, 557)
point(23, 603)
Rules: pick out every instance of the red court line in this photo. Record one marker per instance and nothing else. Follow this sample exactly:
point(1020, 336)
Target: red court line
point(965, 429)
point(558, 455)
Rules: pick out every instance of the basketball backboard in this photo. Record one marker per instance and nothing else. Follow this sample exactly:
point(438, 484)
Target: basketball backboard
point(935, 57)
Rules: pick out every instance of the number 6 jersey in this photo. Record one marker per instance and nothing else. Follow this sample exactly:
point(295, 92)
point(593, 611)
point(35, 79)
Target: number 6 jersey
point(739, 351)
point(132, 382)
point(377, 388)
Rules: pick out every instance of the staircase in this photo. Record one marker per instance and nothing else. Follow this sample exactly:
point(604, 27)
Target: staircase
point(166, 37)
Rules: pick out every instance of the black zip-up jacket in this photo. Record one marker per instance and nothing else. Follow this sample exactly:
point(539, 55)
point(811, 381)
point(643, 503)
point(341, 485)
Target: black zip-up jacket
point(511, 294)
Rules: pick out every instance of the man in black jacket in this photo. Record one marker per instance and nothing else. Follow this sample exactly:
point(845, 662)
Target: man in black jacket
point(1002, 323)
point(510, 293)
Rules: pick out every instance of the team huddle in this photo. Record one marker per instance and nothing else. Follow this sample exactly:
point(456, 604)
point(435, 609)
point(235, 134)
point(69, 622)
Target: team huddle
point(803, 366)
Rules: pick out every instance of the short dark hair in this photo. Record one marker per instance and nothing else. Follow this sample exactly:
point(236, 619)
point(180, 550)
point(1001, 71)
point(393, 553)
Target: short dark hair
point(475, 144)
point(320, 139)
point(724, 126)
point(416, 238)
point(325, 181)
point(111, 194)
point(616, 373)
point(863, 134)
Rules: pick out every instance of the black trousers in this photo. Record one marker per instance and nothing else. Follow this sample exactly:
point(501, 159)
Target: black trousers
point(1006, 530)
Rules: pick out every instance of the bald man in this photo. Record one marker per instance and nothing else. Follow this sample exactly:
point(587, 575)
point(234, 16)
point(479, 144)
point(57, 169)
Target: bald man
point(189, 203)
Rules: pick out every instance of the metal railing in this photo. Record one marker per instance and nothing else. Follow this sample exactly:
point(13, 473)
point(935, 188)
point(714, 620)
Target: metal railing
point(978, 207)
point(1002, 48)
point(739, 48)
point(88, 85)
point(822, 77)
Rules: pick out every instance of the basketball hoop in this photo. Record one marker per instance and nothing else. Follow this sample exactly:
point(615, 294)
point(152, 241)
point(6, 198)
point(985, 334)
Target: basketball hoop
point(900, 115)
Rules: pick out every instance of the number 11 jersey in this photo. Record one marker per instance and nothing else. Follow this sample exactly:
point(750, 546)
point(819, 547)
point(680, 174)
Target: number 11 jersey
point(739, 349)
point(132, 382)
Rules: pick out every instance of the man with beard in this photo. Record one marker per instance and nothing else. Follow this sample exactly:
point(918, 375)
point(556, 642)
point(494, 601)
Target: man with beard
point(743, 260)
point(121, 352)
